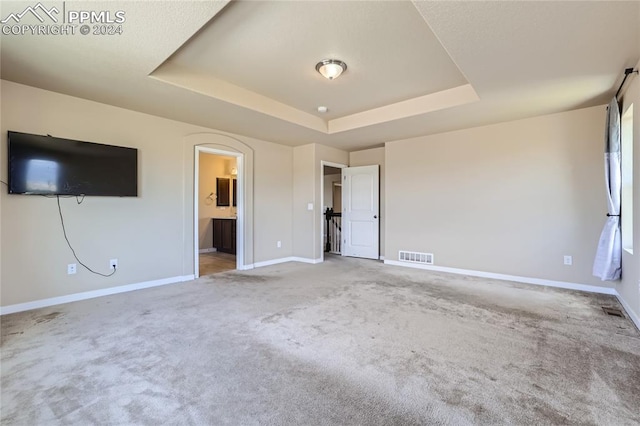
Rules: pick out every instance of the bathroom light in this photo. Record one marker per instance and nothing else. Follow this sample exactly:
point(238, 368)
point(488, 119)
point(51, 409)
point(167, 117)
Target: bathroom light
point(331, 68)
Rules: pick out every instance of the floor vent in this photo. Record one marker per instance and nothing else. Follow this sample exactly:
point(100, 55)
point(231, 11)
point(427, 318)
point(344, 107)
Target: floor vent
point(614, 312)
point(414, 257)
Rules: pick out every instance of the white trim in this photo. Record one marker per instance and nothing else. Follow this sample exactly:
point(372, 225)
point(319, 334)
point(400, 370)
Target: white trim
point(630, 313)
point(307, 260)
point(273, 262)
point(240, 214)
point(282, 260)
point(43, 303)
point(504, 277)
point(196, 212)
point(208, 250)
point(246, 267)
point(334, 165)
point(527, 280)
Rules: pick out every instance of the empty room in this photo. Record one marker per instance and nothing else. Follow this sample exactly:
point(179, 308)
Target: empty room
point(319, 212)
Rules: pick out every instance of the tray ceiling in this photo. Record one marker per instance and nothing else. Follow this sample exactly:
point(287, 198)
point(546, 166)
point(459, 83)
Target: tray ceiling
point(415, 68)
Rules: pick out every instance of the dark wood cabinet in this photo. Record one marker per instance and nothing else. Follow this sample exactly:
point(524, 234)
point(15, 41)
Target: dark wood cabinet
point(224, 235)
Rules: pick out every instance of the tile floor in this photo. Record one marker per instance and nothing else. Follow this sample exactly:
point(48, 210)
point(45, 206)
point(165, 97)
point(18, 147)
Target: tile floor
point(212, 263)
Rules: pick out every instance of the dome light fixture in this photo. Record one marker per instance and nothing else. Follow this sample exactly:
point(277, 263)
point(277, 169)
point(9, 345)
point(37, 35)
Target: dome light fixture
point(331, 68)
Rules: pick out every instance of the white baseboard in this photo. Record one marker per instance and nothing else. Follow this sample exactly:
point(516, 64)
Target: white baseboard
point(504, 277)
point(273, 262)
point(208, 250)
point(281, 260)
point(307, 260)
point(43, 303)
point(632, 315)
point(527, 280)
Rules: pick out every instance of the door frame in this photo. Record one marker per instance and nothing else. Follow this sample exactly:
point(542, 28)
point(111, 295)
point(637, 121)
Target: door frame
point(322, 164)
point(239, 208)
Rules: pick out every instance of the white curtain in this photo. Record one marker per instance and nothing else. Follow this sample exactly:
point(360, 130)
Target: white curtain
point(608, 265)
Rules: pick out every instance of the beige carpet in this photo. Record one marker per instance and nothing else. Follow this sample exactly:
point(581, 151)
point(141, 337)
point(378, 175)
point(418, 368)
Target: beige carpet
point(345, 342)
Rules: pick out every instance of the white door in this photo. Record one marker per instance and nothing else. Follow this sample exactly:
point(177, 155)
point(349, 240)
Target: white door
point(360, 212)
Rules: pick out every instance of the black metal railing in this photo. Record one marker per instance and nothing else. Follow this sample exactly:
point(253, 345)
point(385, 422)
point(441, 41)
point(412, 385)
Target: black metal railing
point(334, 231)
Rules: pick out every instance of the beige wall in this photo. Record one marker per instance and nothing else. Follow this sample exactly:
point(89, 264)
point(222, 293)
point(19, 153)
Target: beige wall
point(303, 193)
point(212, 167)
point(152, 235)
point(369, 157)
point(511, 198)
point(273, 197)
point(308, 188)
point(629, 286)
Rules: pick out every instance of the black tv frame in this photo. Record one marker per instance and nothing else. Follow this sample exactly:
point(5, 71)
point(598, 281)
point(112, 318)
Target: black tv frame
point(75, 168)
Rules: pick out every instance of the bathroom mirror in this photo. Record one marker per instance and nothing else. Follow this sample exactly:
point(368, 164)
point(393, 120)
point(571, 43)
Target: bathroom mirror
point(222, 192)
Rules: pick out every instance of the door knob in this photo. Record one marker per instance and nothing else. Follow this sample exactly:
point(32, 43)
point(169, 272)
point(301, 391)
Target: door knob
point(375, 216)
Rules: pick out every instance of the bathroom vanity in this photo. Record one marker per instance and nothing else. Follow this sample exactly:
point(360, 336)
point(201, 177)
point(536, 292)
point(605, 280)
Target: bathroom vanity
point(224, 234)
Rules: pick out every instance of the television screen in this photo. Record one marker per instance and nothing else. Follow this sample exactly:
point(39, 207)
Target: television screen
point(45, 165)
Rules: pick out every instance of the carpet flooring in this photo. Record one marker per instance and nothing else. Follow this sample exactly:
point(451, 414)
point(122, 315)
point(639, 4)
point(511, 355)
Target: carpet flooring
point(349, 342)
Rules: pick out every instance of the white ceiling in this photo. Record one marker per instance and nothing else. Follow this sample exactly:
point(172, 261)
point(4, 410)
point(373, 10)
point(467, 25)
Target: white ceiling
point(414, 68)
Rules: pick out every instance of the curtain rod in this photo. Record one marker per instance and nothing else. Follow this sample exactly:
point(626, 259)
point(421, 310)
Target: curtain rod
point(627, 71)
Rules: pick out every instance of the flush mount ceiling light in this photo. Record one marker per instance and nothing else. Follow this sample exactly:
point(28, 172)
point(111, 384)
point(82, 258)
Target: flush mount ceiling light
point(331, 68)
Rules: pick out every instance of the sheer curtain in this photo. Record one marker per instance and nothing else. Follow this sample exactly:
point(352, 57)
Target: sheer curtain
point(608, 265)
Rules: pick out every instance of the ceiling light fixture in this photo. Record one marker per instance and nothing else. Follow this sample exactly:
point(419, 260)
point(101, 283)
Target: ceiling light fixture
point(331, 68)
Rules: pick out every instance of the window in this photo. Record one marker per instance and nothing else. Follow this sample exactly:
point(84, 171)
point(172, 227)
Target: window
point(626, 153)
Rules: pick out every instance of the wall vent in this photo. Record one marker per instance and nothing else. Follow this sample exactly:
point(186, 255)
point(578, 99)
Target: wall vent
point(415, 257)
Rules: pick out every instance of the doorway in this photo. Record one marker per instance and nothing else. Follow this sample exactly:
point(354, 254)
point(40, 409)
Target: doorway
point(331, 193)
point(218, 211)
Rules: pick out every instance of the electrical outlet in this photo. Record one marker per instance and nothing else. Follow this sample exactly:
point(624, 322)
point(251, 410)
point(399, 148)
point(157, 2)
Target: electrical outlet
point(310, 206)
point(568, 260)
point(71, 269)
point(279, 244)
point(113, 264)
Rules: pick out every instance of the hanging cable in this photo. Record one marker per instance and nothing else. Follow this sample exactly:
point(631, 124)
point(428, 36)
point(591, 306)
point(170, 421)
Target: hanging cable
point(64, 231)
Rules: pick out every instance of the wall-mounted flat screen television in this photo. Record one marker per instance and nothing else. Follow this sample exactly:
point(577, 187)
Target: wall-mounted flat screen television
point(46, 165)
